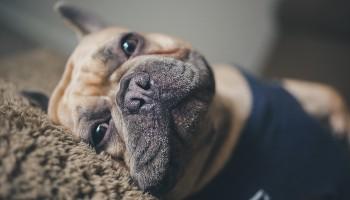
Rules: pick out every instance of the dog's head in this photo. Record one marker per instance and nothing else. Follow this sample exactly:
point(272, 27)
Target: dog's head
point(141, 97)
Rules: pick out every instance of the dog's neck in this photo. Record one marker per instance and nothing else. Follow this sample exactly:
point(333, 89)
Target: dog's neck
point(222, 143)
point(227, 115)
point(213, 149)
point(203, 158)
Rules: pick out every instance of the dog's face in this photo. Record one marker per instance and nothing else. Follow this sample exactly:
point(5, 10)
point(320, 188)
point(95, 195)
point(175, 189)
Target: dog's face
point(142, 98)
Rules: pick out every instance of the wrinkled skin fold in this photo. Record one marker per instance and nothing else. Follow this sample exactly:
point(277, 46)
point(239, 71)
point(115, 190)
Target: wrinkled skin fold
point(151, 100)
point(159, 135)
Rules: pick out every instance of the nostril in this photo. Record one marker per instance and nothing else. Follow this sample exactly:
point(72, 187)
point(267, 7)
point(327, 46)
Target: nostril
point(142, 80)
point(135, 92)
point(142, 102)
point(134, 104)
point(144, 85)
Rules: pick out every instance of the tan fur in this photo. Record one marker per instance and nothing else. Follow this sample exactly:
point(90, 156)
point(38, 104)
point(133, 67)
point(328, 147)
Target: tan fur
point(86, 82)
point(233, 95)
point(85, 76)
point(322, 101)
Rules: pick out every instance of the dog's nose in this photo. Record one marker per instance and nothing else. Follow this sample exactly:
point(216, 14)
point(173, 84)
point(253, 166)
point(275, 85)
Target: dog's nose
point(138, 92)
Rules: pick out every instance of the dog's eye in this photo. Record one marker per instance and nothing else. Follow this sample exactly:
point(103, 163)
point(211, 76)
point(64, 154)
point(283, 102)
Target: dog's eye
point(98, 134)
point(129, 44)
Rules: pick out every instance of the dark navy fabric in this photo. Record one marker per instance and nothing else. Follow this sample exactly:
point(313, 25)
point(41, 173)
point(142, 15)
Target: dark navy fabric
point(282, 154)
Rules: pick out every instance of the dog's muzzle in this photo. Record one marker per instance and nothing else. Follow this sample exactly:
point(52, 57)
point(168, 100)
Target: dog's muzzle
point(154, 99)
point(164, 81)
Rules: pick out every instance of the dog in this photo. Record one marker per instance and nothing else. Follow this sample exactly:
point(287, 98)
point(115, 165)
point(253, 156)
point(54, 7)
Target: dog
point(188, 129)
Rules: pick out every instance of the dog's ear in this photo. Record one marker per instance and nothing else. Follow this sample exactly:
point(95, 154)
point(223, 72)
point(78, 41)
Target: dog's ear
point(37, 99)
point(82, 22)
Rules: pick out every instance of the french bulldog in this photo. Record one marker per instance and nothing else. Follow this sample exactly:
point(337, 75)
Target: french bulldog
point(153, 102)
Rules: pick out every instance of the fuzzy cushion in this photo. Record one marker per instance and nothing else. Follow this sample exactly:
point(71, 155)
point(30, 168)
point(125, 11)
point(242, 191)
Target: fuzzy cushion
point(42, 161)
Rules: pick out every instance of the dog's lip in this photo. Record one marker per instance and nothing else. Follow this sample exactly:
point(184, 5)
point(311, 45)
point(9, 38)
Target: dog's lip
point(147, 155)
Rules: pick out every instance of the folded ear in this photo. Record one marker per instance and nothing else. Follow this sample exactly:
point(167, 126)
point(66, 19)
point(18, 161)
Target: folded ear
point(36, 99)
point(82, 22)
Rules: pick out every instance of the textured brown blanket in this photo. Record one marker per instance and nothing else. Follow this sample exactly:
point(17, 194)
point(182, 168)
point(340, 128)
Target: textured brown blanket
point(38, 160)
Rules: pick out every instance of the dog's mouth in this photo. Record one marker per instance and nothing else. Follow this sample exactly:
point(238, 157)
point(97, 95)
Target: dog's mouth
point(162, 102)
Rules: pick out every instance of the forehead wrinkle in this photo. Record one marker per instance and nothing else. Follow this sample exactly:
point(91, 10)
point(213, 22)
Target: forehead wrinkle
point(91, 90)
point(103, 54)
point(93, 104)
point(95, 74)
point(94, 67)
point(104, 51)
point(88, 85)
point(92, 77)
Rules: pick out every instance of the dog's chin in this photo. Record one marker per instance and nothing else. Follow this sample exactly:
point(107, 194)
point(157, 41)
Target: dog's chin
point(160, 133)
point(162, 145)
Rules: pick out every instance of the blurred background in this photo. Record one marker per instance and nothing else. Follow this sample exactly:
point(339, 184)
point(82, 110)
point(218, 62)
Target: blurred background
point(304, 39)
